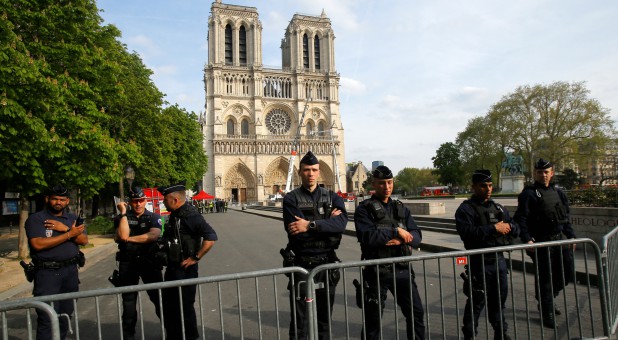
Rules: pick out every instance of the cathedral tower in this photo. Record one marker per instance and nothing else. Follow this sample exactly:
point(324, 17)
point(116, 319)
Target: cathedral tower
point(252, 113)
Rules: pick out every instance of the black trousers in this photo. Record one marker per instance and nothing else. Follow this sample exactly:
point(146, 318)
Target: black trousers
point(555, 271)
point(496, 286)
point(130, 273)
point(171, 302)
point(324, 300)
point(50, 282)
point(402, 285)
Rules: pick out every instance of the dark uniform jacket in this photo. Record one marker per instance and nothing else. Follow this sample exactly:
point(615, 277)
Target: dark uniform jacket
point(478, 231)
point(188, 227)
point(373, 238)
point(35, 228)
point(543, 213)
point(312, 241)
point(137, 226)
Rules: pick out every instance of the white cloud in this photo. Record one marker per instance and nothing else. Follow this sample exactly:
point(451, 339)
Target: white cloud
point(352, 86)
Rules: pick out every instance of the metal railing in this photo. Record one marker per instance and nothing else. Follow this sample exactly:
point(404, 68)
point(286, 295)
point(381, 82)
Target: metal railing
point(248, 304)
point(609, 248)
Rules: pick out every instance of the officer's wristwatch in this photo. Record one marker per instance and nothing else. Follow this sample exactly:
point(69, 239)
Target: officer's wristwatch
point(312, 225)
point(195, 257)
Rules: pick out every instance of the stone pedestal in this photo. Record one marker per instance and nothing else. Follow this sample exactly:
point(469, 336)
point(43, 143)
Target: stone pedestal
point(512, 183)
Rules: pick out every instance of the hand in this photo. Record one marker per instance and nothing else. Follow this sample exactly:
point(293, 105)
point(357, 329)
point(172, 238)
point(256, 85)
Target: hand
point(56, 226)
point(394, 242)
point(530, 251)
point(503, 228)
point(189, 261)
point(335, 212)
point(404, 235)
point(298, 226)
point(76, 230)
point(122, 207)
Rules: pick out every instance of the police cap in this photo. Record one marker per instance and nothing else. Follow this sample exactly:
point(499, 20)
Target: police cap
point(58, 190)
point(542, 164)
point(309, 159)
point(382, 172)
point(137, 193)
point(172, 188)
point(481, 176)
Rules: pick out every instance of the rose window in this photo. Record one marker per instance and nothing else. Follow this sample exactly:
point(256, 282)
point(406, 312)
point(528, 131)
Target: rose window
point(278, 122)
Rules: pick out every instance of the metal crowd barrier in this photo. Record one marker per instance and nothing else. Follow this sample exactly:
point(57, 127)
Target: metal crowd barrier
point(609, 248)
point(583, 305)
point(248, 305)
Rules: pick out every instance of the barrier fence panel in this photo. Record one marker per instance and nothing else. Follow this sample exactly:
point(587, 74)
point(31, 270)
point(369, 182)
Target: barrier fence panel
point(609, 248)
point(581, 306)
point(244, 305)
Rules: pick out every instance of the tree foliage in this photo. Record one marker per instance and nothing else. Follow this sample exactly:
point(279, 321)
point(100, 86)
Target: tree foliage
point(411, 180)
point(448, 165)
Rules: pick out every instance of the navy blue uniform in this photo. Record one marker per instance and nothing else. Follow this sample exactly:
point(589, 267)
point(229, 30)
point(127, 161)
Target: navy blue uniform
point(488, 272)
point(188, 225)
point(135, 261)
point(56, 271)
point(373, 235)
point(313, 248)
point(543, 215)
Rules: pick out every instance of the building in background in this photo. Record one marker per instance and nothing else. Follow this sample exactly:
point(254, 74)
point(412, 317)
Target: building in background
point(253, 113)
point(376, 164)
point(356, 175)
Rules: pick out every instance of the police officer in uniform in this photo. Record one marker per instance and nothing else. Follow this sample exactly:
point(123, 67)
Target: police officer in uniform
point(385, 229)
point(189, 237)
point(136, 232)
point(483, 223)
point(54, 240)
point(314, 219)
point(543, 215)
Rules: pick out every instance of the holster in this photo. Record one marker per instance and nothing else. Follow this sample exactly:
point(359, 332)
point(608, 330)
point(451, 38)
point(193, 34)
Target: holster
point(29, 270)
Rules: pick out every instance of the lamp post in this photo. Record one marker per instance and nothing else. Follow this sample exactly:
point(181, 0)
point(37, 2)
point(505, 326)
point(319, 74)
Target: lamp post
point(129, 175)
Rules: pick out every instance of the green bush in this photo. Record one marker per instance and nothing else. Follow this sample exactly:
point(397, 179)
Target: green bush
point(100, 226)
point(594, 196)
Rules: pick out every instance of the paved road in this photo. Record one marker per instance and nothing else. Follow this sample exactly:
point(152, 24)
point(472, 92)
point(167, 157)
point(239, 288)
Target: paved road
point(249, 243)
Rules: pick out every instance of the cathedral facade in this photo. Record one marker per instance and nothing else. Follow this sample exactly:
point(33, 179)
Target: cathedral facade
point(255, 116)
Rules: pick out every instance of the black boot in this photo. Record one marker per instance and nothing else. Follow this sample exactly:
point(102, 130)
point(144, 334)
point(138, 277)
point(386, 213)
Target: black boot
point(548, 320)
point(503, 336)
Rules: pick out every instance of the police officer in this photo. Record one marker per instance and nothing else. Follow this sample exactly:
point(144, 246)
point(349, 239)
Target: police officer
point(543, 215)
point(189, 238)
point(483, 223)
point(314, 219)
point(136, 232)
point(385, 229)
point(54, 240)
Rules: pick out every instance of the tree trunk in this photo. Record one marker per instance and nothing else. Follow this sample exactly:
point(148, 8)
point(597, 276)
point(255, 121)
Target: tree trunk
point(95, 206)
point(22, 240)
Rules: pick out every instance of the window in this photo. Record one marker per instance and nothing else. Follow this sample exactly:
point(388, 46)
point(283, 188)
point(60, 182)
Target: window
point(244, 127)
point(316, 52)
point(305, 51)
point(278, 122)
point(230, 127)
point(321, 126)
point(242, 45)
point(229, 55)
point(309, 128)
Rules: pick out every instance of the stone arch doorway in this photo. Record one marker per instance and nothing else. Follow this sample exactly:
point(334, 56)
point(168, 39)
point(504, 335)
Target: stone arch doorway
point(277, 176)
point(240, 184)
point(327, 178)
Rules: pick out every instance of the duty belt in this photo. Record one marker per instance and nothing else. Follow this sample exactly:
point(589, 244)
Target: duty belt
point(311, 261)
point(56, 264)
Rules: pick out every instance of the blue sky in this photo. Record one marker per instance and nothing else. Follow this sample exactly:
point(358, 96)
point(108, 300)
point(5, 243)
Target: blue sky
point(412, 73)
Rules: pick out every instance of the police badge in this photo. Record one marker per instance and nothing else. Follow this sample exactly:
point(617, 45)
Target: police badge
point(48, 232)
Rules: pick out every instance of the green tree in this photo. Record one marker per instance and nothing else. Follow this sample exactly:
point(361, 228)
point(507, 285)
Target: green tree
point(569, 179)
point(412, 180)
point(448, 165)
point(552, 120)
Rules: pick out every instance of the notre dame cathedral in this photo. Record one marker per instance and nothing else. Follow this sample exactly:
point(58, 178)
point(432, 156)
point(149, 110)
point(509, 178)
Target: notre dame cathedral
point(253, 113)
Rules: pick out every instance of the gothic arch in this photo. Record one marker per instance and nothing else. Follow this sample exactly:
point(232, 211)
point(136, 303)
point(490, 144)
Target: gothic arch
point(277, 175)
point(327, 177)
point(241, 179)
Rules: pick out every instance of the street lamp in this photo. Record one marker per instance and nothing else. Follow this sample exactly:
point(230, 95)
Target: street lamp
point(129, 175)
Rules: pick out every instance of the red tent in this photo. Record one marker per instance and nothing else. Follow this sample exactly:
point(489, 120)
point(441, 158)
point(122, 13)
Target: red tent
point(202, 195)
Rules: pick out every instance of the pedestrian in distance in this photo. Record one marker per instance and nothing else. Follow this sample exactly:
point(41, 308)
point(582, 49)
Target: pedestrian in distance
point(385, 229)
point(543, 215)
point(137, 231)
point(54, 237)
point(483, 223)
point(188, 237)
point(314, 219)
